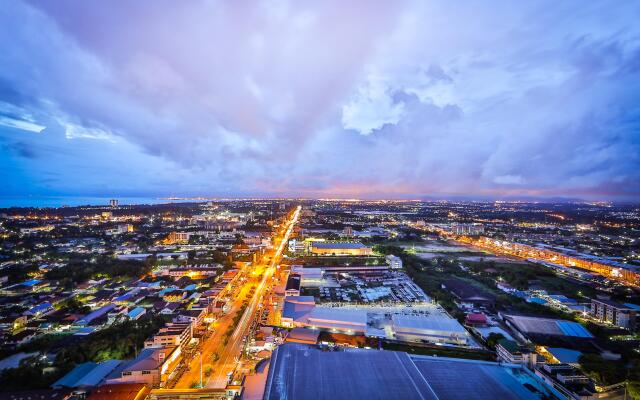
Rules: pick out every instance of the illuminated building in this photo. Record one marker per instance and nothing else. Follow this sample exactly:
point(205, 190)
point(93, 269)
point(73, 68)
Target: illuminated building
point(177, 238)
point(340, 249)
point(30, 231)
point(467, 229)
point(614, 313)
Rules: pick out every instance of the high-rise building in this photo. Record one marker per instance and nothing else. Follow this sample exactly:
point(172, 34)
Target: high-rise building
point(113, 203)
point(467, 229)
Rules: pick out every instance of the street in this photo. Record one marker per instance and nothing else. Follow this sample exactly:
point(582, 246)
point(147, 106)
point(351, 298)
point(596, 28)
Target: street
point(255, 281)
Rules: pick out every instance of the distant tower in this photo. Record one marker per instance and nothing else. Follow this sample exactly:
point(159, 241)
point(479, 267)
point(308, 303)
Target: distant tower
point(113, 203)
point(348, 231)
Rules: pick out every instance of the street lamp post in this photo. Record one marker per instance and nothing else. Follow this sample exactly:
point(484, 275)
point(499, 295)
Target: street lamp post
point(201, 370)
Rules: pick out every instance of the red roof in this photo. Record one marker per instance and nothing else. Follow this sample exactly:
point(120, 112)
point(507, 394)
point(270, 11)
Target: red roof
point(476, 318)
point(123, 391)
point(230, 274)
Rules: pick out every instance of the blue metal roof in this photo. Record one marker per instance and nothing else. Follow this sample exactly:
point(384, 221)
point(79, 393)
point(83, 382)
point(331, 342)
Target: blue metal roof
point(70, 379)
point(87, 374)
point(96, 314)
point(31, 282)
point(537, 300)
point(633, 306)
point(565, 355)
point(573, 329)
point(135, 312)
point(562, 299)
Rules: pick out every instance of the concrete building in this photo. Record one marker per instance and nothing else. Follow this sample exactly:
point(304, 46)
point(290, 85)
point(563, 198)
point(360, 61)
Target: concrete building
point(614, 313)
point(467, 229)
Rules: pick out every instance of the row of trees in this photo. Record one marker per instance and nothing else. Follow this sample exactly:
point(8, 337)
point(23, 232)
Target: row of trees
point(77, 271)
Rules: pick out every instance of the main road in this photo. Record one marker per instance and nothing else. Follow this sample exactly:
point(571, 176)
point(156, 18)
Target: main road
point(228, 354)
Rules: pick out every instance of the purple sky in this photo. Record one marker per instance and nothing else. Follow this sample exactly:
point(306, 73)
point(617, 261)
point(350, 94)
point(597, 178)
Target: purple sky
point(321, 99)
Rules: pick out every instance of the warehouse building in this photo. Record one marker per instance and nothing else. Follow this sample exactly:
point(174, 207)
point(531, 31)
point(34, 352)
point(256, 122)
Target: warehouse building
point(303, 372)
point(528, 328)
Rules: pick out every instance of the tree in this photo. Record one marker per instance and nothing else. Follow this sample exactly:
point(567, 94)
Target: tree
point(606, 372)
point(493, 338)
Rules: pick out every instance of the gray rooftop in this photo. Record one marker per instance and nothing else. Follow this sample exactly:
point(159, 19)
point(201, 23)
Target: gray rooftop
point(304, 372)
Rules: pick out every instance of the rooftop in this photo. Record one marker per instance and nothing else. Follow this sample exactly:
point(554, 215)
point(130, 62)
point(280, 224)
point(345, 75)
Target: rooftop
point(304, 372)
point(122, 391)
point(338, 245)
point(567, 356)
point(548, 326)
point(87, 374)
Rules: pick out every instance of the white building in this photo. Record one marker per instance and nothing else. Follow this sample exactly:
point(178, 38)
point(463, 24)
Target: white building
point(172, 334)
point(394, 262)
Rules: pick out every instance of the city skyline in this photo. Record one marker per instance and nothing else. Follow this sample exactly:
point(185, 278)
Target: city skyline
point(399, 100)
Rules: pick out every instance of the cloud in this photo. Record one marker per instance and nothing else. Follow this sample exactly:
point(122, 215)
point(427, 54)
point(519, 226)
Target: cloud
point(371, 108)
point(280, 97)
point(509, 180)
point(21, 124)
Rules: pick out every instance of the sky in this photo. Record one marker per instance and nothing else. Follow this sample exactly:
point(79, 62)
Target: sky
point(364, 99)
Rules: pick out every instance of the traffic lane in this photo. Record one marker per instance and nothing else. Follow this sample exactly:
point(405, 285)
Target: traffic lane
point(228, 363)
point(212, 344)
